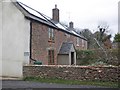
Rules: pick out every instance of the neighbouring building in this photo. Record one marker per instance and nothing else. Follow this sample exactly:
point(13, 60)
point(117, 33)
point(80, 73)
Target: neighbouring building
point(29, 36)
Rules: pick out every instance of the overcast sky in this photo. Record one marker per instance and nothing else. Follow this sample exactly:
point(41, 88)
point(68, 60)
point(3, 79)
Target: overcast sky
point(84, 13)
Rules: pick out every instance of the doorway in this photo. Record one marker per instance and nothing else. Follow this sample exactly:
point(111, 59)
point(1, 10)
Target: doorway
point(72, 58)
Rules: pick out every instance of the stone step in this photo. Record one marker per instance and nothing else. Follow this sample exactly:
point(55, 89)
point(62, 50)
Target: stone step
point(10, 78)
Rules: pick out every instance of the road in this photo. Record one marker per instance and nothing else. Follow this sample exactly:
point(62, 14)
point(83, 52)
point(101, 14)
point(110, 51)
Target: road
point(28, 84)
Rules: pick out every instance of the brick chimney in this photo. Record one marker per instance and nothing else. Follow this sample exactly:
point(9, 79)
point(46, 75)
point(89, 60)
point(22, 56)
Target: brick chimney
point(71, 25)
point(55, 14)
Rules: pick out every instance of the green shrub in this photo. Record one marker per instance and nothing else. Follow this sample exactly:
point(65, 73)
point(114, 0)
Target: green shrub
point(85, 57)
point(97, 57)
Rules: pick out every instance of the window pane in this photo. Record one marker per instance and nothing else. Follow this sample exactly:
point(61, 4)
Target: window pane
point(52, 34)
point(78, 41)
point(49, 32)
point(51, 57)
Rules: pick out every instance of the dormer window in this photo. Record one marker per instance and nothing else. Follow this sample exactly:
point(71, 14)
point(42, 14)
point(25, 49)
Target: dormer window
point(51, 34)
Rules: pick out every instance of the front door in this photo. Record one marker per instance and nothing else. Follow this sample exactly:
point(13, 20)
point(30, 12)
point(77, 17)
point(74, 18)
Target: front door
point(72, 58)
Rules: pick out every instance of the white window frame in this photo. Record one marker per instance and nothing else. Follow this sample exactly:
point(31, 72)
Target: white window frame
point(51, 34)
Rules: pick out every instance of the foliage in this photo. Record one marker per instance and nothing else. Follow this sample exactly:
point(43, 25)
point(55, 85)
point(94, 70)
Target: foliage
point(89, 36)
point(107, 37)
point(117, 37)
point(102, 38)
point(71, 82)
point(113, 57)
point(97, 57)
point(85, 57)
point(102, 29)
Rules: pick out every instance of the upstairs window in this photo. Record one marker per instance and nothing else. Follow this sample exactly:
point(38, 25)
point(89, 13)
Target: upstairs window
point(82, 43)
point(51, 34)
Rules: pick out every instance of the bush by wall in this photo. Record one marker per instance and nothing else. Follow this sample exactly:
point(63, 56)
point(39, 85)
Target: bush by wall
point(85, 57)
point(89, 57)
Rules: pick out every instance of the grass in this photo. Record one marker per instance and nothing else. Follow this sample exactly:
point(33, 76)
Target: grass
point(72, 82)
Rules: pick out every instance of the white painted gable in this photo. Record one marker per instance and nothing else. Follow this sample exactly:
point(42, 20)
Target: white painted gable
point(15, 39)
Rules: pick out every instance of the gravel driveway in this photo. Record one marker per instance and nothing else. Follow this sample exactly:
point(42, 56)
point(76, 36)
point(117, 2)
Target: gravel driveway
point(28, 84)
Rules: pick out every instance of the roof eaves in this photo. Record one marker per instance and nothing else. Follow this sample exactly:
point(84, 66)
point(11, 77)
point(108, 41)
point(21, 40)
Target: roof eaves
point(75, 33)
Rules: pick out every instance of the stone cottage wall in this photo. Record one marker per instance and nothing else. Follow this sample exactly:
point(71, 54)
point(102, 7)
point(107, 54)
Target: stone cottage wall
point(73, 72)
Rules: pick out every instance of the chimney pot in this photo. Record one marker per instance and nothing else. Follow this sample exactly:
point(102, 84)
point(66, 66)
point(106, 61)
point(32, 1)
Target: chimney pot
point(55, 5)
point(71, 25)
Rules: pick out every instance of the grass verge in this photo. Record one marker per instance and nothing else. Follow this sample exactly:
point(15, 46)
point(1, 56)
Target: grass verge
point(72, 82)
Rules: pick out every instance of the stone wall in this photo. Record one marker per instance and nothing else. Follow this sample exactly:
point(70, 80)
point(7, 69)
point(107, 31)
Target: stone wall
point(73, 72)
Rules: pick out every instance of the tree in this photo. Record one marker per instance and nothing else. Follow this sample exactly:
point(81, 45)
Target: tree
point(102, 36)
point(102, 30)
point(117, 37)
point(103, 39)
point(89, 36)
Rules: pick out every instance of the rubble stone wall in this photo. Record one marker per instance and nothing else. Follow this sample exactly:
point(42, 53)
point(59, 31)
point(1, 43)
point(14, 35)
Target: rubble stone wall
point(72, 72)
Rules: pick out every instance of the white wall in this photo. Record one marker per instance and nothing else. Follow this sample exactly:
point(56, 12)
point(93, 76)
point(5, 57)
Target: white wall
point(63, 59)
point(0, 38)
point(15, 40)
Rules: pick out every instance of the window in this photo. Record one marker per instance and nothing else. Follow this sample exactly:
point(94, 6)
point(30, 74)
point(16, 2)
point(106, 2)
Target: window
point(51, 34)
point(51, 57)
point(85, 44)
point(82, 43)
point(78, 41)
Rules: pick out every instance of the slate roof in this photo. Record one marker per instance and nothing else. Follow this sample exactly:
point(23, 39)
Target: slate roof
point(75, 32)
point(65, 48)
point(33, 14)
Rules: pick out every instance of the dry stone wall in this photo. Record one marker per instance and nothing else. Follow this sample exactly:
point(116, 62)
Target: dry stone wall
point(72, 72)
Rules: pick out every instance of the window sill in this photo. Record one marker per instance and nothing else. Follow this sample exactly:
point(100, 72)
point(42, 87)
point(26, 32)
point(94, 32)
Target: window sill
point(51, 41)
point(77, 45)
point(51, 64)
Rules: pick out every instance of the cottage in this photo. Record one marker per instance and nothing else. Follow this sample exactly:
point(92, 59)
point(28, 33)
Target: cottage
point(29, 36)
